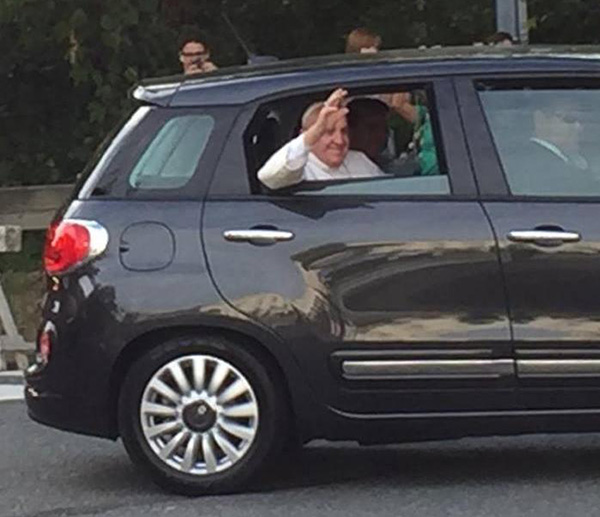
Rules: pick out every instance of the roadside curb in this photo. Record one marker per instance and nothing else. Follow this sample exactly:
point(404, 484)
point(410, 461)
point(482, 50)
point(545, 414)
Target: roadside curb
point(12, 377)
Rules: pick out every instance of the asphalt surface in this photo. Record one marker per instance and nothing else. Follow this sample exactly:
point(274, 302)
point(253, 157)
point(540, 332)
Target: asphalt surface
point(49, 473)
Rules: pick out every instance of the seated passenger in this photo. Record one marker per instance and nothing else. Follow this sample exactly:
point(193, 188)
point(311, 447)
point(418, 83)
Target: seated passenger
point(320, 152)
point(371, 134)
point(368, 126)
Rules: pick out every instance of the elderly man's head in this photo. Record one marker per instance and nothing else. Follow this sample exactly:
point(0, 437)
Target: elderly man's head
point(332, 147)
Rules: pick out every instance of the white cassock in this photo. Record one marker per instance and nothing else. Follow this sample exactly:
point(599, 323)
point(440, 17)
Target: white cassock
point(294, 163)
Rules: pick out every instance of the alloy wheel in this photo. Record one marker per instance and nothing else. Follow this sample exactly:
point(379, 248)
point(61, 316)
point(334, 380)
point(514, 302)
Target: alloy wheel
point(199, 414)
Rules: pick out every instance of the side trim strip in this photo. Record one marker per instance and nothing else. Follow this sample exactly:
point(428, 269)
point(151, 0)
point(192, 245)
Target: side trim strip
point(528, 368)
point(428, 369)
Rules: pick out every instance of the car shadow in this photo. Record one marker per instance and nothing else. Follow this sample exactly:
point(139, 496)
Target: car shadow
point(462, 462)
point(467, 462)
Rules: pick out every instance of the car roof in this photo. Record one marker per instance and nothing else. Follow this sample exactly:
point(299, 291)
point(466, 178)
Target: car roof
point(243, 84)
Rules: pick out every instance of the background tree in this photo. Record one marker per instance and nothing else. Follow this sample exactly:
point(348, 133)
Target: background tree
point(66, 65)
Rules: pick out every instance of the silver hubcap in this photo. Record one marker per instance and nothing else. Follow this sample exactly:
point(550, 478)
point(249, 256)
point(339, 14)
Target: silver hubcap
point(199, 414)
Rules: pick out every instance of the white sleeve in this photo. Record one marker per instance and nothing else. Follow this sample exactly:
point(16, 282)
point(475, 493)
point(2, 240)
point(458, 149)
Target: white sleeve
point(286, 166)
point(361, 166)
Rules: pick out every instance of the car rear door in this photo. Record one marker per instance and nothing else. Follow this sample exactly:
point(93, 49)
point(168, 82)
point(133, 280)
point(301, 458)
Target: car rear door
point(388, 292)
point(536, 149)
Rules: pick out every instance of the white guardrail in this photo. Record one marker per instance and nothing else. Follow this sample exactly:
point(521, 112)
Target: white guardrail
point(22, 209)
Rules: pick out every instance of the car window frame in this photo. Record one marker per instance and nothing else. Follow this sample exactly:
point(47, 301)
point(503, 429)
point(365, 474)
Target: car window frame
point(231, 179)
point(487, 163)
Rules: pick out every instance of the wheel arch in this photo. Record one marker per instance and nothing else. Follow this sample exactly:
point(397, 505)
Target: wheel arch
point(301, 403)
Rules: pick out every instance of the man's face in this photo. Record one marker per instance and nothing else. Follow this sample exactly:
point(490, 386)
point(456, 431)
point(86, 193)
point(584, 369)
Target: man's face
point(369, 135)
point(369, 50)
point(561, 126)
point(192, 54)
point(332, 147)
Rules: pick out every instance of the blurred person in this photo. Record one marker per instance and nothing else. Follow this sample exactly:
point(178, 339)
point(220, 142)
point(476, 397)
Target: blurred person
point(321, 151)
point(362, 41)
point(194, 55)
point(557, 136)
point(501, 39)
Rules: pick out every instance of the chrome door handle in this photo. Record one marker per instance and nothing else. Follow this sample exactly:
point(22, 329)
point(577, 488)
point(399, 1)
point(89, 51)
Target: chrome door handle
point(258, 236)
point(543, 236)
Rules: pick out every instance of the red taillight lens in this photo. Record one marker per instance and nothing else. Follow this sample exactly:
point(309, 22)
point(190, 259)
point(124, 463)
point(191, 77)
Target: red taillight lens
point(72, 242)
point(68, 243)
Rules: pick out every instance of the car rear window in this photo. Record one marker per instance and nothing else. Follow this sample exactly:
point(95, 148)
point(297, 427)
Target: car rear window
point(171, 158)
point(161, 153)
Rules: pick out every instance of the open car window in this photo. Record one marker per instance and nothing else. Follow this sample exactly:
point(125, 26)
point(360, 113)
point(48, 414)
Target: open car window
point(406, 147)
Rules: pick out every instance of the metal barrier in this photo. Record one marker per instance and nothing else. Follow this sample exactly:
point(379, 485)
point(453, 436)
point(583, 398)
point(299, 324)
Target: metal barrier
point(21, 209)
point(11, 341)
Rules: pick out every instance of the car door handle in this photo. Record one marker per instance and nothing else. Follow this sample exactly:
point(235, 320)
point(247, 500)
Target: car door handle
point(258, 236)
point(543, 236)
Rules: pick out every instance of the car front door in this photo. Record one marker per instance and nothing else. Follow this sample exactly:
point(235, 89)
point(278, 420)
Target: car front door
point(388, 292)
point(541, 161)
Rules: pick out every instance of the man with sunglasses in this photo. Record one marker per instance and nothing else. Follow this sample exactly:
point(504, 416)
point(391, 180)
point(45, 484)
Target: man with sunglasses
point(194, 55)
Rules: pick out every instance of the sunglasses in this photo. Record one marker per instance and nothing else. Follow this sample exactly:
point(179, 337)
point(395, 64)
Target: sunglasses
point(194, 54)
point(567, 118)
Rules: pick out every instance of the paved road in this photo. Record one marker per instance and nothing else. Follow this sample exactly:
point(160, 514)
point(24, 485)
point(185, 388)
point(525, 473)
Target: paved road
point(48, 473)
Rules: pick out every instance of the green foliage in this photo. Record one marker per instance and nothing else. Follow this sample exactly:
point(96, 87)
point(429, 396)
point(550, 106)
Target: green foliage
point(564, 21)
point(66, 65)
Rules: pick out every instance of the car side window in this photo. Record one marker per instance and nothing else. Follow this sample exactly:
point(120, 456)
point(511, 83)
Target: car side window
point(546, 138)
point(171, 158)
point(393, 146)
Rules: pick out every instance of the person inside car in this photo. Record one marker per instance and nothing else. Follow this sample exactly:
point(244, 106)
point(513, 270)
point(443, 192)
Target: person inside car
point(556, 142)
point(321, 151)
point(364, 41)
point(368, 126)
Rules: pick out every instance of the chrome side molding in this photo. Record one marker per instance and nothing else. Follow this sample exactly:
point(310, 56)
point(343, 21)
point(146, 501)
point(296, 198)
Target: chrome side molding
point(531, 368)
point(427, 369)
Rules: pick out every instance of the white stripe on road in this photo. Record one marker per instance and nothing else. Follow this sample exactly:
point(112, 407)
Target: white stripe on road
point(11, 392)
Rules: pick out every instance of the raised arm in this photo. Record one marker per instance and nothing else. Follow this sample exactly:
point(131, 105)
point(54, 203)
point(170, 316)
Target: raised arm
point(286, 166)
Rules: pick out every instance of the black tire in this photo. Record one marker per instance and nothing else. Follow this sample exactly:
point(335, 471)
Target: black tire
point(270, 435)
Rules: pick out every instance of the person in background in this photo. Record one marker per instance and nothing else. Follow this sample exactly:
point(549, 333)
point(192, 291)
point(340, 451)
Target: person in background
point(321, 151)
point(194, 54)
point(362, 41)
point(501, 39)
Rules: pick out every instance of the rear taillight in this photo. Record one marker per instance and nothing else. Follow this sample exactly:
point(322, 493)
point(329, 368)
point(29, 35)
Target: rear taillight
point(72, 242)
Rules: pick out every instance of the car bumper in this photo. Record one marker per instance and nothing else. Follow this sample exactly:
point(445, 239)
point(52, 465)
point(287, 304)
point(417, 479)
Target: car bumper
point(67, 412)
